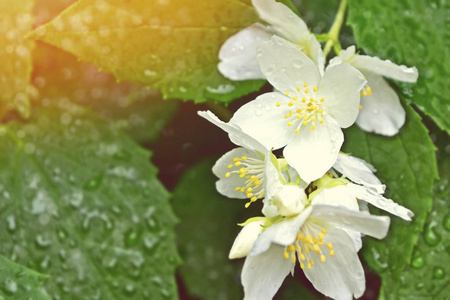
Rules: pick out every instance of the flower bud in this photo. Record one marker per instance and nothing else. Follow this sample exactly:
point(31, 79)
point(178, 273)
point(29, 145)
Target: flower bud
point(290, 200)
point(245, 239)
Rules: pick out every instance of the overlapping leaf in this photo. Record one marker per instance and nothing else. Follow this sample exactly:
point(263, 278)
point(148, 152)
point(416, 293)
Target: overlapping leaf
point(414, 33)
point(169, 45)
point(406, 163)
point(19, 282)
point(82, 203)
point(428, 274)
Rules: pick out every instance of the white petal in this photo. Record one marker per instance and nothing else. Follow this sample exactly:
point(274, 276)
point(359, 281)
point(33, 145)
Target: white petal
point(376, 226)
point(315, 53)
point(264, 121)
point(358, 171)
point(381, 112)
point(384, 68)
point(283, 20)
point(269, 210)
point(271, 178)
point(282, 233)
point(238, 53)
point(245, 239)
point(341, 196)
point(313, 152)
point(345, 56)
point(286, 67)
point(341, 276)
point(381, 202)
point(340, 87)
point(263, 274)
point(237, 136)
point(227, 185)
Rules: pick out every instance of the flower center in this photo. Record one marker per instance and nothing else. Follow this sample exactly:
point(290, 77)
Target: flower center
point(366, 91)
point(251, 170)
point(308, 246)
point(305, 109)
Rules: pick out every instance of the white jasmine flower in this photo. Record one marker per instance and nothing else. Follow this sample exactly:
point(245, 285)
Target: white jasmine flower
point(381, 110)
point(318, 239)
point(242, 171)
point(238, 53)
point(308, 111)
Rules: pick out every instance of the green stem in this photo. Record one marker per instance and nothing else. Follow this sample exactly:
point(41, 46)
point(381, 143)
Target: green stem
point(335, 29)
point(220, 110)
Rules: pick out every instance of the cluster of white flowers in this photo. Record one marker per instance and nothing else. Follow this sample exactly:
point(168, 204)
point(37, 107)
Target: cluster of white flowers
point(315, 199)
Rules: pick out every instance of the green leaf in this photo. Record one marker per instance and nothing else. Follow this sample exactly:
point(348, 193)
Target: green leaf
point(207, 229)
point(15, 56)
point(20, 282)
point(428, 274)
point(206, 233)
point(169, 45)
point(82, 203)
point(141, 111)
point(406, 163)
point(414, 33)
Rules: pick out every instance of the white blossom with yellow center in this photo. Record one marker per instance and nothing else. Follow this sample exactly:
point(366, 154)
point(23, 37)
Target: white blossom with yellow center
point(241, 171)
point(381, 110)
point(238, 54)
point(317, 239)
point(308, 111)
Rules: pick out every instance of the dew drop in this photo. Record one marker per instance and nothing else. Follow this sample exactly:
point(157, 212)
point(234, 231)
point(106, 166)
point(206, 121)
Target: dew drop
point(375, 111)
point(438, 273)
point(93, 183)
point(418, 262)
point(269, 70)
point(430, 235)
point(297, 63)
point(41, 242)
point(11, 223)
point(447, 222)
point(129, 289)
point(131, 237)
point(10, 286)
point(258, 112)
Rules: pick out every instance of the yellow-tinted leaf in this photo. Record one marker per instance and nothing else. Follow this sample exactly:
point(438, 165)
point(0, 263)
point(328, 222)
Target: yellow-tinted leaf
point(168, 45)
point(15, 56)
